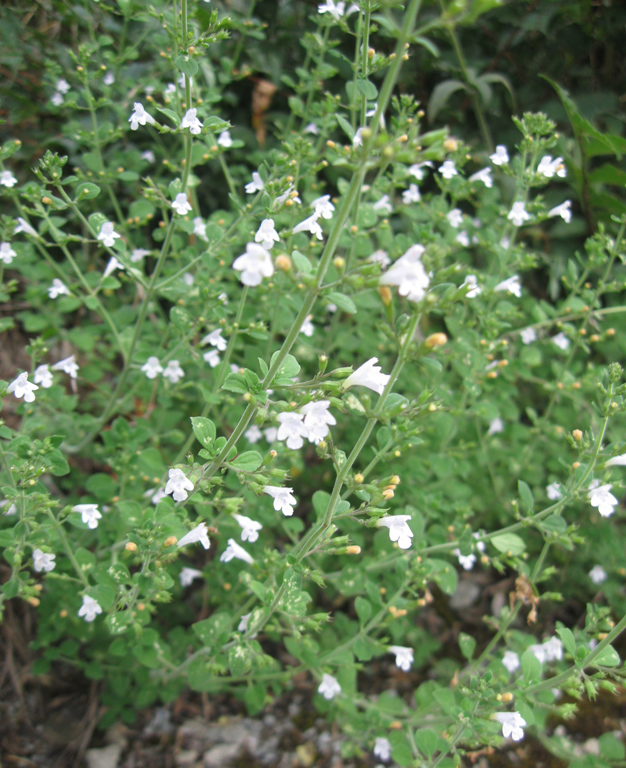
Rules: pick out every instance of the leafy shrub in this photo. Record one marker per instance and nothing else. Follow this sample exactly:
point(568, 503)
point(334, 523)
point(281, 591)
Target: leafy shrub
point(289, 381)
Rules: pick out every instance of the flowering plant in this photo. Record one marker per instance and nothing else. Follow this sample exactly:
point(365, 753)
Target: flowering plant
point(378, 399)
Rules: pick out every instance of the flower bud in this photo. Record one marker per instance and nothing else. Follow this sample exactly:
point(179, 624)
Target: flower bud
point(283, 262)
point(358, 478)
point(451, 145)
point(170, 541)
point(34, 601)
point(610, 332)
point(507, 697)
point(353, 549)
point(388, 493)
point(385, 295)
point(576, 464)
point(577, 435)
point(130, 546)
point(339, 263)
point(395, 480)
point(370, 53)
point(436, 340)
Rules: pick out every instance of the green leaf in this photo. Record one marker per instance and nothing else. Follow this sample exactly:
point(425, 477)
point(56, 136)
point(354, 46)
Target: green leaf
point(343, 302)
point(345, 125)
point(531, 666)
point(440, 95)
point(426, 739)
point(363, 609)
point(509, 544)
point(368, 89)
point(289, 368)
point(240, 660)
point(57, 463)
point(213, 630)
point(235, 382)
point(249, 461)
point(186, 65)
point(203, 429)
point(567, 638)
point(526, 496)
point(303, 265)
point(467, 644)
point(608, 657)
point(169, 113)
point(86, 191)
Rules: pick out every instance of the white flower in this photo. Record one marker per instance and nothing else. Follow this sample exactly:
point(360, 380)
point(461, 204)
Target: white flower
point(107, 234)
point(43, 376)
point(601, 497)
point(455, 217)
point(24, 226)
point(284, 500)
point(256, 185)
point(7, 179)
point(57, 99)
point(112, 266)
point(152, 367)
point(181, 80)
point(138, 254)
point(382, 748)
point(9, 508)
point(197, 534)
point(181, 205)
point(68, 365)
point(89, 514)
point(512, 724)
point(553, 492)
point(267, 234)
point(548, 167)
point(212, 357)
point(187, 575)
point(243, 624)
point(253, 435)
point(173, 372)
point(474, 288)
point(223, 297)
point(549, 650)
point(496, 426)
point(398, 529)
point(155, 495)
point(199, 228)
point(368, 375)
point(518, 214)
point(89, 609)
point(188, 279)
point(483, 175)
point(408, 274)
point(512, 285)
point(380, 257)
point(216, 339)
point(109, 78)
point(411, 195)
point(191, 121)
point(564, 211)
point(500, 156)
point(249, 528)
point(148, 156)
point(58, 288)
point(42, 561)
point(178, 485)
point(617, 461)
point(271, 434)
point(323, 207)
point(416, 169)
point(383, 204)
point(357, 141)
point(561, 341)
point(317, 419)
point(310, 225)
point(139, 116)
point(63, 86)
point(311, 128)
point(254, 264)
point(21, 387)
point(597, 574)
point(7, 254)
point(170, 89)
point(404, 656)
point(511, 661)
point(467, 562)
point(463, 239)
point(329, 687)
point(448, 169)
point(528, 335)
point(292, 430)
point(233, 550)
point(224, 140)
point(307, 327)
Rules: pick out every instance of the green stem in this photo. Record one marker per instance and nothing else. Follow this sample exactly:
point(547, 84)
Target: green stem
point(68, 549)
